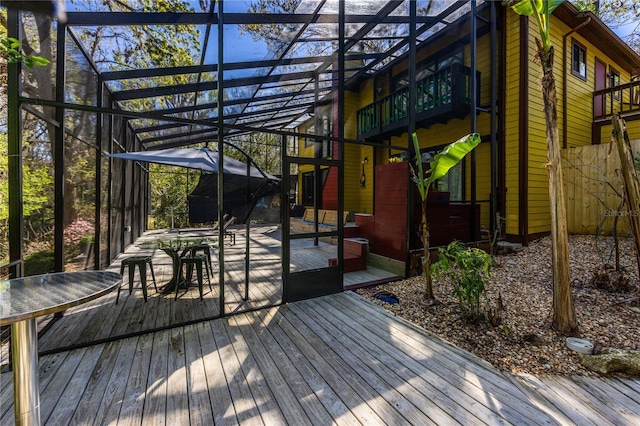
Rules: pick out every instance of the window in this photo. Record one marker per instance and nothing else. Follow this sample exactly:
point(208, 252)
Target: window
point(308, 141)
point(579, 60)
point(426, 68)
point(452, 183)
point(307, 189)
point(614, 80)
point(323, 147)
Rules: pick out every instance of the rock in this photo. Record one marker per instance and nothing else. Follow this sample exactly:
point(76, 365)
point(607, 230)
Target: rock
point(613, 360)
point(505, 247)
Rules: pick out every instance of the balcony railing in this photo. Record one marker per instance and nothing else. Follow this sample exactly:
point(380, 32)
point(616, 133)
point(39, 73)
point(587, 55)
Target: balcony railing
point(439, 96)
point(624, 99)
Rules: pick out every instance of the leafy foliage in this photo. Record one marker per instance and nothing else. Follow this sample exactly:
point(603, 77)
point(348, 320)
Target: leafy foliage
point(617, 14)
point(469, 270)
point(541, 10)
point(10, 50)
point(446, 159)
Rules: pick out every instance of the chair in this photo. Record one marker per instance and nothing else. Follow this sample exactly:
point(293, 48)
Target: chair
point(230, 234)
point(141, 262)
point(191, 260)
point(206, 250)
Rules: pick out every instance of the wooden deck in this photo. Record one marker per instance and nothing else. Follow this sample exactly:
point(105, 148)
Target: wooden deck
point(337, 359)
point(103, 319)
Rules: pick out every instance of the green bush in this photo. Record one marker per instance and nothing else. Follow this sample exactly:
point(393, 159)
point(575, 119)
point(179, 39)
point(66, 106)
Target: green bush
point(39, 262)
point(469, 270)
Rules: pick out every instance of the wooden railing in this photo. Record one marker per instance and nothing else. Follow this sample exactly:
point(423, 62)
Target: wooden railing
point(623, 99)
point(449, 86)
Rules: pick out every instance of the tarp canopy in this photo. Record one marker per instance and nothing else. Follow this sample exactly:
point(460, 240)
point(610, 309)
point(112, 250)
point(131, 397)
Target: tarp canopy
point(240, 196)
point(241, 192)
point(204, 159)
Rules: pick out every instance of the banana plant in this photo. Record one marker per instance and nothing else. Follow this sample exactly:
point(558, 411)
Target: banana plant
point(541, 11)
point(564, 315)
point(446, 159)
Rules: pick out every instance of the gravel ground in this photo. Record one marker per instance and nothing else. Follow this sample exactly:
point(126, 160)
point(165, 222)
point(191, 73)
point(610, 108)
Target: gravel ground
point(524, 341)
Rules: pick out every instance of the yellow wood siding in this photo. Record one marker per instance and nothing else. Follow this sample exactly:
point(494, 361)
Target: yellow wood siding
point(579, 109)
point(512, 104)
point(579, 118)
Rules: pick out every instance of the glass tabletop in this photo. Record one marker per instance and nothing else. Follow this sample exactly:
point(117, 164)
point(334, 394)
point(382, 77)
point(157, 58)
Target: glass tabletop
point(176, 243)
point(30, 297)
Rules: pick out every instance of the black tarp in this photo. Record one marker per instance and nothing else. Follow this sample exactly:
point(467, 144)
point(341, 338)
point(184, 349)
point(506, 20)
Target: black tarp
point(240, 196)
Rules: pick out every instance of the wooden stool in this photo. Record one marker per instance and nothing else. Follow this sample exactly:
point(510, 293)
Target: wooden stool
point(141, 262)
point(190, 261)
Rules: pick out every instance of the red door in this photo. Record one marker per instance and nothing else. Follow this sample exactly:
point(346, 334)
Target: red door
point(601, 83)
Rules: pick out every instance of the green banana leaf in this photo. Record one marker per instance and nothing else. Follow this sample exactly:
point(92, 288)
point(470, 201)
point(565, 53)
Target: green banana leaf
point(451, 155)
point(541, 10)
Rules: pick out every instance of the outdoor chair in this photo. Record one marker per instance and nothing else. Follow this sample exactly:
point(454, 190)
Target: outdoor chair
point(141, 262)
point(206, 250)
point(190, 261)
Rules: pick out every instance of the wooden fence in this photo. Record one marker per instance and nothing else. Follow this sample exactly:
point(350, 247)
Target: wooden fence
point(594, 189)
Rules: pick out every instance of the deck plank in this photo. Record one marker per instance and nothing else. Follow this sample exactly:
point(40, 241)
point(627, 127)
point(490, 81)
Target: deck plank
point(200, 408)
point(603, 391)
point(281, 363)
point(155, 402)
point(177, 396)
point(64, 372)
point(281, 392)
point(337, 409)
point(87, 408)
point(244, 403)
point(72, 393)
point(136, 384)
point(222, 404)
point(379, 371)
point(255, 380)
point(109, 408)
point(482, 382)
point(327, 363)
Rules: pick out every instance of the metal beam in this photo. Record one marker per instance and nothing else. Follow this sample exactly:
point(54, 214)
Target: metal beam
point(194, 69)
point(208, 85)
point(167, 126)
point(14, 159)
point(192, 18)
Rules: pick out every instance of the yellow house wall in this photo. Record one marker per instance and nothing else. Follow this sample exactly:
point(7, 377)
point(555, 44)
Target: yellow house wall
point(579, 109)
point(633, 130)
point(511, 125)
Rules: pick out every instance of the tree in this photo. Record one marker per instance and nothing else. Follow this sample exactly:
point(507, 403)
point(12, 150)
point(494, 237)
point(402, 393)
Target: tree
point(617, 14)
point(451, 155)
point(564, 314)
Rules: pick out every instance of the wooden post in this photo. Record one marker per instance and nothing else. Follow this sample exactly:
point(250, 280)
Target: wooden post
point(620, 138)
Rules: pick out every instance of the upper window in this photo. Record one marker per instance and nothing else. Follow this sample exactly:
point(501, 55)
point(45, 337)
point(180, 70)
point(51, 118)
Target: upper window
point(428, 67)
point(579, 60)
point(614, 80)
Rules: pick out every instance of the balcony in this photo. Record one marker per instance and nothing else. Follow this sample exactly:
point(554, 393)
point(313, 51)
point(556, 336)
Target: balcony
point(441, 96)
point(623, 99)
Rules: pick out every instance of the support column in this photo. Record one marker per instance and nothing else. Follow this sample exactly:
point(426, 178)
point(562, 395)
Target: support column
point(26, 388)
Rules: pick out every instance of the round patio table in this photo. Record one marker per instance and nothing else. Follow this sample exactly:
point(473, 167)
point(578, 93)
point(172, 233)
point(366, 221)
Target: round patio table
point(22, 300)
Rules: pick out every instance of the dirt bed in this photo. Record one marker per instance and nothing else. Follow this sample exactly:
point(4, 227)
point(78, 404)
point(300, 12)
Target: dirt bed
point(524, 341)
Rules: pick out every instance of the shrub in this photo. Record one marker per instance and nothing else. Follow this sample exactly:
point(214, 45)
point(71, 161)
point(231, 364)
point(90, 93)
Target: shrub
point(39, 262)
point(469, 270)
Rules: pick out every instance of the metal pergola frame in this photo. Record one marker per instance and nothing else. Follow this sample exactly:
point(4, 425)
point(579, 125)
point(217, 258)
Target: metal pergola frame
point(278, 112)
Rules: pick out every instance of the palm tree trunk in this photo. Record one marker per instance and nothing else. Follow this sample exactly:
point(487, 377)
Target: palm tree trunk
point(424, 234)
point(564, 314)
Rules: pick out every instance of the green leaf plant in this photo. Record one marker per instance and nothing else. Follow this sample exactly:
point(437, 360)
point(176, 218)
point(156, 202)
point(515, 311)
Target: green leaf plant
point(446, 159)
point(10, 50)
point(469, 269)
